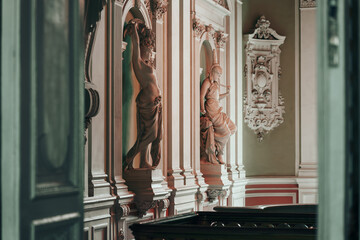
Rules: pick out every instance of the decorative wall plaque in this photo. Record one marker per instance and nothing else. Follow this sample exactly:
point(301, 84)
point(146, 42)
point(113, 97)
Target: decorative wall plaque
point(263, 104)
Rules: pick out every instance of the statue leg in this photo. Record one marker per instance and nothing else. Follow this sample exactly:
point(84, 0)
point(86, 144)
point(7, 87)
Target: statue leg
point(156, 152)
point(144, 158)
point(131, 155)
point(155, 146)
point(138, 147)
point(220, 159)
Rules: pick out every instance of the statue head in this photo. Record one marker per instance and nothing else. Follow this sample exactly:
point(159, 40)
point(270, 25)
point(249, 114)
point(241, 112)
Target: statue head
point(147, 42)
point(215, 72)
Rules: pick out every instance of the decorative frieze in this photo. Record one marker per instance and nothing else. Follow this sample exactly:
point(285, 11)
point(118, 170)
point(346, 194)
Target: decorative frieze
point(307, 3)
point(263, 104)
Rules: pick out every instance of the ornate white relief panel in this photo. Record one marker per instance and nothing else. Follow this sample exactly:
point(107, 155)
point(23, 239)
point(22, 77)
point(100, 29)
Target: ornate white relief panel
point(263, 104)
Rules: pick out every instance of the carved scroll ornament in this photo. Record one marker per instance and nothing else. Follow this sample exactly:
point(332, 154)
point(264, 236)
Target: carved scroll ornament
point(263, 104)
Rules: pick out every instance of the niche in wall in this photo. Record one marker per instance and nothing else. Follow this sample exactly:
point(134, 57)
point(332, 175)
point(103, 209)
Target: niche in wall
point(131, 88)
point(206, 57)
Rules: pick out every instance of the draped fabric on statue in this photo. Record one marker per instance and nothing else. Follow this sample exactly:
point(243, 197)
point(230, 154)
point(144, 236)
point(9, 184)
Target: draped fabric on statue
point(149, 122)
point(216, 126)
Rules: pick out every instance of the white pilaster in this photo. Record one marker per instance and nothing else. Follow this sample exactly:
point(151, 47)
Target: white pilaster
point(308, 191)
point(308, 106)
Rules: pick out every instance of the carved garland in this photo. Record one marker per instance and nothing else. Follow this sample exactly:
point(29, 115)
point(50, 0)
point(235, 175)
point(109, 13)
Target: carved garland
point(307, 3)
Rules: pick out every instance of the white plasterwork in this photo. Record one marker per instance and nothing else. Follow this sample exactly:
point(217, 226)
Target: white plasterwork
point(263, 103)
point(308, 190)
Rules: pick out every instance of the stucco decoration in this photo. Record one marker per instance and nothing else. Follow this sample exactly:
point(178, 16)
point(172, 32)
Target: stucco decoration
point(156, 8)
point(159, 8)
point(223, 3)
point(221, 38)
point(263, 104)
point(198, 27)
point(211, 32)
point(307, 3)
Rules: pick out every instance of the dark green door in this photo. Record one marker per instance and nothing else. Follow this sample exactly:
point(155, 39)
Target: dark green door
point(41, 120)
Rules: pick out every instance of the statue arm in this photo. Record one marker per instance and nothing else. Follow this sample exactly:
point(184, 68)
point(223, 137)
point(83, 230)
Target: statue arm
point(204, 88)
point(221, 96)
point(136, 58)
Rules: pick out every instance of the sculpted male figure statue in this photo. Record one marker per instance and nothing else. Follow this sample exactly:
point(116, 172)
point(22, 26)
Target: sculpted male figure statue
point(216, 126)
point(148, 101)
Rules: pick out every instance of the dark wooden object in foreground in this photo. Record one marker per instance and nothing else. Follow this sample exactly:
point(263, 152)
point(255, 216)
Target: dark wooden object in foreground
point(277, 208)
point(230, 225)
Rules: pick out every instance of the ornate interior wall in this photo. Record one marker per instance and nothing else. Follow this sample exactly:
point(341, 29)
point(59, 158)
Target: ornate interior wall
point(188, 34)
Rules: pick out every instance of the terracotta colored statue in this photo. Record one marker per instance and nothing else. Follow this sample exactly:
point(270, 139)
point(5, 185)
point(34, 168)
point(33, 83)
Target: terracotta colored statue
point(148, 101)
point(216, 126)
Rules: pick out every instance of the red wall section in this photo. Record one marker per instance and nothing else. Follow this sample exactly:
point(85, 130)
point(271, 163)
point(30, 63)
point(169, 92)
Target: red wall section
point(267, 194)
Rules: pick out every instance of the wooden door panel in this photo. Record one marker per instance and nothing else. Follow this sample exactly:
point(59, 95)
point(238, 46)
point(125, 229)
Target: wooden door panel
point(56, 96)
point(46, 110)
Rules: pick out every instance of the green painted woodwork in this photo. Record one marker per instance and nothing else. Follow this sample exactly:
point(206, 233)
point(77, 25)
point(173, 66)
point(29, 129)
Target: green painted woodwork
point(331, 124)
point(128, 92)
point(10, 120)
point(42, 125)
